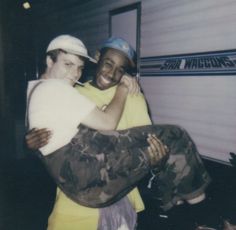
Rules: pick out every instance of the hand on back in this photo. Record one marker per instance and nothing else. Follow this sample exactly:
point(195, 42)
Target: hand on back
point(37, 138)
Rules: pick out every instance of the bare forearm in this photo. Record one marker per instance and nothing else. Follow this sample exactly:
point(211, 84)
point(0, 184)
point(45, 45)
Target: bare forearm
point(115, 108)
point(108, 118)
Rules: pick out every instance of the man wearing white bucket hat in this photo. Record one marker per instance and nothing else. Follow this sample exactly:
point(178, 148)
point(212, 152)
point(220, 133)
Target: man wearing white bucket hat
point(115, 58)
point(53, 103)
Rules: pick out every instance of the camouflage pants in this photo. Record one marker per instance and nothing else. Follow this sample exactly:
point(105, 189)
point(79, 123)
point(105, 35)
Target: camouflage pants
point(97, 168)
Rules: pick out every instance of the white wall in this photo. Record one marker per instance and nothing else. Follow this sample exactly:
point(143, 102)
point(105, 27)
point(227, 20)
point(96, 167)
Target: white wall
point(187, 26)
point(204, 105)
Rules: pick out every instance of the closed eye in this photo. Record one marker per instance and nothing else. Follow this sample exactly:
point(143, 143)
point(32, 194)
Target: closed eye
point(69, 63)
point(121, 71)
point(107, 64)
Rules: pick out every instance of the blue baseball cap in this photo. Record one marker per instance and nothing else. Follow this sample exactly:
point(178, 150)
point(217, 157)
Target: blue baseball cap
point(121, 45)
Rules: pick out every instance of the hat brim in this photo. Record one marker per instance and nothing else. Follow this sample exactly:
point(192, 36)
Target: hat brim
point(81, 54)
point(131, 62)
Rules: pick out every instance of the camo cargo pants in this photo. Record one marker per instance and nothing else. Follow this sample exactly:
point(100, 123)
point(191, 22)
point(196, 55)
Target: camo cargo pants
point(97, 168)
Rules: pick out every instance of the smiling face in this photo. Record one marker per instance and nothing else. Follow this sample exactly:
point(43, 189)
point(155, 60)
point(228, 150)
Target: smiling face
point(67, 67)
point(111, 67)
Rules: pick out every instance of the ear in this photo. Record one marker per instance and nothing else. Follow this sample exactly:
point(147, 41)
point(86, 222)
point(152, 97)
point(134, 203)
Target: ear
point(49, 62)
point(97, 55)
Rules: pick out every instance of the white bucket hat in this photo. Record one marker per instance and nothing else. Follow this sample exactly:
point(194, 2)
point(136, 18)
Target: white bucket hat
point(71, 45)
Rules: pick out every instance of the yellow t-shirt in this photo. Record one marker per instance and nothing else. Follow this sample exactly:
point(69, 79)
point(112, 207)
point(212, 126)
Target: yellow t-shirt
point(68, 215)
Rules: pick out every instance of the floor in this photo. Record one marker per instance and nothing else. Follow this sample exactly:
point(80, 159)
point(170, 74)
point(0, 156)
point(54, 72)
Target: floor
point(27, 196)
point(219, 205)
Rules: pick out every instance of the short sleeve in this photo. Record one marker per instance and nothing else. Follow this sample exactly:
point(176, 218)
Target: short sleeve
point(60, 108)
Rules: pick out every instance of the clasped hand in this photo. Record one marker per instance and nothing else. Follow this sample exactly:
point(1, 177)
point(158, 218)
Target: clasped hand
point(131, 84)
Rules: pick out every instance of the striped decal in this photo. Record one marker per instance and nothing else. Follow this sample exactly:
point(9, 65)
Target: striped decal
point(210, 63)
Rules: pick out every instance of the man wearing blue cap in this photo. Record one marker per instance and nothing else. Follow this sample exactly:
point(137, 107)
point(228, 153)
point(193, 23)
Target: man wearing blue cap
point(115, 58)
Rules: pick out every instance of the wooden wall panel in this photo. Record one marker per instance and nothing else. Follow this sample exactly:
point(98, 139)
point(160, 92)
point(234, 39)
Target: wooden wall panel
point(2, 79)
point(87, 20)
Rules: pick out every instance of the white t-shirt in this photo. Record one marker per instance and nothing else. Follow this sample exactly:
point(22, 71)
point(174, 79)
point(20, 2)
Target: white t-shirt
point(57, 106)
